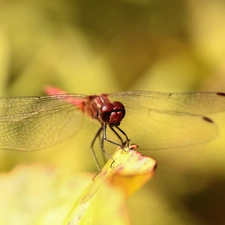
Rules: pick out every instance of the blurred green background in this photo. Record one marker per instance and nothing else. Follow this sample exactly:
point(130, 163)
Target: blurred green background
point(106, 46)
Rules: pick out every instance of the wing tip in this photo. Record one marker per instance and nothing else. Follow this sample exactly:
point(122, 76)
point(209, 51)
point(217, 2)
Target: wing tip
point(207, 119)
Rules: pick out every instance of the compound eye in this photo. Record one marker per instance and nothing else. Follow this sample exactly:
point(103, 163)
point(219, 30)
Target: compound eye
point(106, 111)
point(115, 118)
point(108, 107)
point(118, 106)
point(117, 114)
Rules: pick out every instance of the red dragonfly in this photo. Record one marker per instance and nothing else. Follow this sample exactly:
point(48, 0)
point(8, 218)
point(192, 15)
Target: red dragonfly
point(154, 120)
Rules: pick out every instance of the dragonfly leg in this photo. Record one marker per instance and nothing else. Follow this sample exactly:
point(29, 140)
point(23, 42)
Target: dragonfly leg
point(102, 153)
point(92, 148)
point(124, 143)
point(104, 138)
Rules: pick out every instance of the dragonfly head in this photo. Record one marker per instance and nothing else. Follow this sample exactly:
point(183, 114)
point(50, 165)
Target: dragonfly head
point(113, 113)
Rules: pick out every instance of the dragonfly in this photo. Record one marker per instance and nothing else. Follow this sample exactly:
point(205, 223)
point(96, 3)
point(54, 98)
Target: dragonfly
point(154, 120)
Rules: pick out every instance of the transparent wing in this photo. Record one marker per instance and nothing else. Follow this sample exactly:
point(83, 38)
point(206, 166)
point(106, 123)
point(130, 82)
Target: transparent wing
point(155, 130)
point(194, 103)
point(32, 123)
point(156, 120)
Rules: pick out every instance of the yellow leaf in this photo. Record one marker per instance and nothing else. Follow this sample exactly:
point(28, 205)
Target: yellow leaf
point(40, 194)
point(103, 202)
